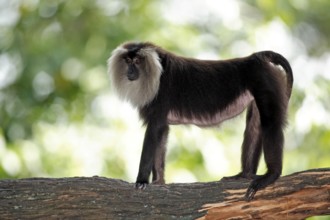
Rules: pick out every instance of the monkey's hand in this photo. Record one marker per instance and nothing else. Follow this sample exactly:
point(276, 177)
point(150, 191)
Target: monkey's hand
point(141, 185)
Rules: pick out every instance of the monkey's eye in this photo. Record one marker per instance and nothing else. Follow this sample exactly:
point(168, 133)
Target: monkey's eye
point(136, 60)
point(128, 60)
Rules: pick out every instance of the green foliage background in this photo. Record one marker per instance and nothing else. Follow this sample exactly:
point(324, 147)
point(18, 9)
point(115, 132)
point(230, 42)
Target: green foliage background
point(59, 117)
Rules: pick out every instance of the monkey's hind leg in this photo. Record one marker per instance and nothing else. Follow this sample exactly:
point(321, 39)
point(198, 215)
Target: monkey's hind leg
point(272, 111)
point(272, 146)
point(252, 145)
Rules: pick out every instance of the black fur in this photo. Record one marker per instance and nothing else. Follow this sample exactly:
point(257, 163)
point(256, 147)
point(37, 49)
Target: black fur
point(191, 88)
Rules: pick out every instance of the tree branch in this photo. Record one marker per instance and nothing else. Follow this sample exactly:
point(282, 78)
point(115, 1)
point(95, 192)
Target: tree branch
point(296, 196)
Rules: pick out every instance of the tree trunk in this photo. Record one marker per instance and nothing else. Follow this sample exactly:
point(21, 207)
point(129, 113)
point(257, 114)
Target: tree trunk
point(296, 196)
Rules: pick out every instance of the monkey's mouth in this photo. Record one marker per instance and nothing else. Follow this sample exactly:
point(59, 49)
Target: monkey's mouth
point(132, 77)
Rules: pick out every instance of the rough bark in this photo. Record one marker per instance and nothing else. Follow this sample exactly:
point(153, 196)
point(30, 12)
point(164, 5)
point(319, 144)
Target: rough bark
point(296, 196)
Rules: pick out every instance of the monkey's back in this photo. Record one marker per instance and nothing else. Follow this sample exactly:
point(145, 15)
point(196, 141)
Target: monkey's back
point(204, 93)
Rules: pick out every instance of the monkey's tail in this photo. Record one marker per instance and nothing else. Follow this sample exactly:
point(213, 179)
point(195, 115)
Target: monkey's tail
point(278, 59)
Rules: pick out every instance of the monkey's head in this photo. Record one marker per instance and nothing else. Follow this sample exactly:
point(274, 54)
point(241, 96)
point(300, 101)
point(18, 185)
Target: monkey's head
point(135, 71)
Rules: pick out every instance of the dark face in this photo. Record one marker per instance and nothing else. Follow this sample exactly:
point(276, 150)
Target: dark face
point(133, 61)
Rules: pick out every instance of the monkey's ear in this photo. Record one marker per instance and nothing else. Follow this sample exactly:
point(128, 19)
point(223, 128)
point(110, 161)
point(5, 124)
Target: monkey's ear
point(118, 53)
point(152, 62)
point(117, 63)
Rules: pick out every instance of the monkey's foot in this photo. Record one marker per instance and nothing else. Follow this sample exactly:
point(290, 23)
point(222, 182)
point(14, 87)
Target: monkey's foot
point(258, 183)
point(158, 182)
point(141, 185)
point(240, 176)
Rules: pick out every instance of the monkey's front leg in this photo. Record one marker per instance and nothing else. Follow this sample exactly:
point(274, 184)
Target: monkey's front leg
point(151, 153)
point(159, 159)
